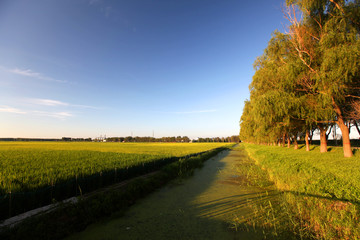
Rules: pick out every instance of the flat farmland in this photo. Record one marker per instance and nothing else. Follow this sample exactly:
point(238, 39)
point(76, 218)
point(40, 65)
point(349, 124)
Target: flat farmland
point(25, 166)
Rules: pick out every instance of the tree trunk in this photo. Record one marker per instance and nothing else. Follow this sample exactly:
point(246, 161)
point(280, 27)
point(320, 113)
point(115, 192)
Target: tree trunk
point(283, 140)
point(296, 146)
point(323, 142)
point(307, 140)
point(344, 130)
point(279, 142)
point(345, 138)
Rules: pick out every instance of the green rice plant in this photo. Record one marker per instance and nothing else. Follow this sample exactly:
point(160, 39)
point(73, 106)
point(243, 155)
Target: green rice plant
point(33, 174)
point(70, 218)
point(29, 165)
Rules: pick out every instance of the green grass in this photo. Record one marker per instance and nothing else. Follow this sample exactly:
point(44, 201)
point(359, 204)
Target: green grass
point(321, 191)
point(29, 165)
point(323, 174)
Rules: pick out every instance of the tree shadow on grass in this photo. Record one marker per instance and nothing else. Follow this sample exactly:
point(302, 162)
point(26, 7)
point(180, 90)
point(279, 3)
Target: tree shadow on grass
point(332, 198)
point(312, 148)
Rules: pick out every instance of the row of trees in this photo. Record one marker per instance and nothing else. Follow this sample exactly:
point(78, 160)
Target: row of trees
point(234, 138)
point(172, 139)
point(148, 139)
point(307, 78)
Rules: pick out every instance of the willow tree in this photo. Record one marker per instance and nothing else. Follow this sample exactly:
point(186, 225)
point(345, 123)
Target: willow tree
point(309, 76)
point(247, 124)
point(272, 98)
point(327, 42)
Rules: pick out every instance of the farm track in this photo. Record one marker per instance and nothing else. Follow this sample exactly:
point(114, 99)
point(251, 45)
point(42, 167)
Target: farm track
point(13, 221)
point(200, 207)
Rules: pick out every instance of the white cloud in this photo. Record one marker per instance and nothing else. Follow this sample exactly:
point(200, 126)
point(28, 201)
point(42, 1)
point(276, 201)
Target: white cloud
point(55, 103)
point(32, 74)
point(47, 102)
point(50, 108)
point(58, 115)
point(8, 109)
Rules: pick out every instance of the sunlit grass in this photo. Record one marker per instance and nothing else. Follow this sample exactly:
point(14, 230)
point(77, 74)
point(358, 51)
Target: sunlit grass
point(321, 192)
point(324, 174)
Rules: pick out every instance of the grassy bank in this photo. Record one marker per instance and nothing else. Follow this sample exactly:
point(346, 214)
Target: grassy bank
point(321, 190)
point(72, 218)
point(327, 175)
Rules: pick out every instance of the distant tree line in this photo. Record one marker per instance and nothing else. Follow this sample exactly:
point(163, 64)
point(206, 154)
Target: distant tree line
point(148, 139)
point(64, 139)
point(234, 138)
point(31, 139)
point(69, 139)
point(178, 139)
point(307, 78)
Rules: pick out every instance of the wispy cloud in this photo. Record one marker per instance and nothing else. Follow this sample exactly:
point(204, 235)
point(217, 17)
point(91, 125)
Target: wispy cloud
point(58, 115)
point(44, 108)
point(47, 102)
point(8, 109)
point(55, 103)
point(32, 74)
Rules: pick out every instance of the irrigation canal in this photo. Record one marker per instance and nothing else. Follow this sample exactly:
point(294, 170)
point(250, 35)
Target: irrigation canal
point(200, 207)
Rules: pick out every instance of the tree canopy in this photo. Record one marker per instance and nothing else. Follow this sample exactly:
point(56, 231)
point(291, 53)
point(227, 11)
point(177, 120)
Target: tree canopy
point(308, 77)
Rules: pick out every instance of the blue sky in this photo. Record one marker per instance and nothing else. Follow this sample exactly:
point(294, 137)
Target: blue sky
point(84, 68)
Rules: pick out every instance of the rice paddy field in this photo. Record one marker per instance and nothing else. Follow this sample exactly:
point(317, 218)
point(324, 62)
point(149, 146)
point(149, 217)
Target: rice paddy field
point(28, 165)
point(48, 171)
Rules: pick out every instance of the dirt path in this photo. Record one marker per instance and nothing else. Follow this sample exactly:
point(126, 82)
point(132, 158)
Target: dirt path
point(200, 207)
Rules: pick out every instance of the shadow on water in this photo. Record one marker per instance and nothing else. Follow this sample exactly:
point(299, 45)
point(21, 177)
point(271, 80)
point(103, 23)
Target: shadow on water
point(200, 207)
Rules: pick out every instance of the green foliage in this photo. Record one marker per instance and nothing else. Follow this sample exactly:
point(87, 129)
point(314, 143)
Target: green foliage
point(307, 76)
